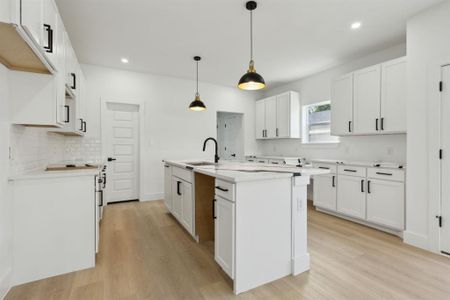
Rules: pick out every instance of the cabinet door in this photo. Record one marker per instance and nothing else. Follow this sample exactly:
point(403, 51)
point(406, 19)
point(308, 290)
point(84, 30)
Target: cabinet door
point(351, 199)
point(260, 117)
point(60, 65)
point(393, 96)
point(224, 235)
point(51, 32)
point(271, 117)
point(324, 194)
point(176, 197)
point(168, 187)
point(81, 122)
point(386, 203)
point(187, 213)
point(32, 19)
point(342, 105)
point(283, 116)
point(366, 100)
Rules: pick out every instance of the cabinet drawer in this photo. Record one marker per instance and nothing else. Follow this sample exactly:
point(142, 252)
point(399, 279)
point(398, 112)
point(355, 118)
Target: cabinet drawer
point(325, 166)
point(225, 189)
point(182, 174)
point(386, 174)
point(262, 160)
point(352, 171)
point(276, 162)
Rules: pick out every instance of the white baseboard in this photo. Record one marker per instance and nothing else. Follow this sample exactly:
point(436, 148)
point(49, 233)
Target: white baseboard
point(416, 240)
point(300, 264)
point(152, 197)
point(5, 283)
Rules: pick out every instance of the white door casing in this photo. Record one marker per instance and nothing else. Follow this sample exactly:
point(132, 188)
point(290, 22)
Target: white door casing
point(122, 144)
point(230, 136)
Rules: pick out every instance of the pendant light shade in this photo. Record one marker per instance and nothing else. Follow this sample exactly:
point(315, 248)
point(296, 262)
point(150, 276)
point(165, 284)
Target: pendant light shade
point(251, 80)
point(197, 104)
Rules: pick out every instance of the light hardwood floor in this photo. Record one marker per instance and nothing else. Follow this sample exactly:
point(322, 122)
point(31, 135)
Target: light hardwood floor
point(145, 254)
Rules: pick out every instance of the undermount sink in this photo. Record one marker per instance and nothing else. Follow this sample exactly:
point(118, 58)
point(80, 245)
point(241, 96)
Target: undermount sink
point(200, 163)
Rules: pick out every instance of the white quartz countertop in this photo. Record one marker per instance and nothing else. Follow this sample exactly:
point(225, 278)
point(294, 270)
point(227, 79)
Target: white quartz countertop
point(56, 174)
point(245, 171)
point(378, 164)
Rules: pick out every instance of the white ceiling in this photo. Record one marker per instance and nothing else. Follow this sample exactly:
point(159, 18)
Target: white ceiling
point(293, 38)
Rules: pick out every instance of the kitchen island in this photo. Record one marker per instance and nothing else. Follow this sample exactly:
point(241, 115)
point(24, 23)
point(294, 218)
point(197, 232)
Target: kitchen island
point(254, 213)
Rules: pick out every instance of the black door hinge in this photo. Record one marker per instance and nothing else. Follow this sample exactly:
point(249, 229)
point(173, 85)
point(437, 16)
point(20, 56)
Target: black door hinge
point(440, 153)
point(439, 220)
point(441, 86)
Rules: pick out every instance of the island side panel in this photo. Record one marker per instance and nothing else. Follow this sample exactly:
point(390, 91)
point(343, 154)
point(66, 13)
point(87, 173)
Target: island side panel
point(263, 232)
point(204, 198)
point(300, 255)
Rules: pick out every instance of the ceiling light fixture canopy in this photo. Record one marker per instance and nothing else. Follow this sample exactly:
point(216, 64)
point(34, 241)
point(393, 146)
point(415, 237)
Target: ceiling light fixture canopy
point(251, 80)
point(197, 104)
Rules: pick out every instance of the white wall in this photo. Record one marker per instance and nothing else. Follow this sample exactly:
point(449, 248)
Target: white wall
point(317, 88)
point(5, 194)
point(170, 130)
point(428, 46)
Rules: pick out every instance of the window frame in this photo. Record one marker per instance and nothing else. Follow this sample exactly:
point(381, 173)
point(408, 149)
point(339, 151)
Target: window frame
point(305, 127)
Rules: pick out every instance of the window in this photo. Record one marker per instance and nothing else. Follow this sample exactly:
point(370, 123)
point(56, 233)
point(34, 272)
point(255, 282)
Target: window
point(317, 124)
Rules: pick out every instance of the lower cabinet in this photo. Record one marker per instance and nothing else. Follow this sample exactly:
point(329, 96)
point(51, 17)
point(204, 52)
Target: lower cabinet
point(385, 203)
point(182, 202)
point(168, 187)
point(325, 191)
point(351, 196)
point(224, 234)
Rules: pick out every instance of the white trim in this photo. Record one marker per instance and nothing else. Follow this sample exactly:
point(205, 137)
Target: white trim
point(415, 239)
point(141, 106)
point(152, 197)
point(5, 283)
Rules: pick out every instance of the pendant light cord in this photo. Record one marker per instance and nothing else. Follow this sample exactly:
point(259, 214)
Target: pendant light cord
point(197, 77)
point(251, 35)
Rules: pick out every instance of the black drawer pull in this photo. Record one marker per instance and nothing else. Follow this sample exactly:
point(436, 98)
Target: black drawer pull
point(362, 185)
point(382, 173)
point(67, 107)
point(275, 163)
point(349, 126)
point(221, 189)
point(333, 181)
point(325, 168)
point(376, 124)
point(350, 170)
point(368, 186)
point(49, 47)
point(178, 188)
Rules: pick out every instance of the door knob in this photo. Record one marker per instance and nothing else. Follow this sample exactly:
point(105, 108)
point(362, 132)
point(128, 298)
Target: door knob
point(111, 159)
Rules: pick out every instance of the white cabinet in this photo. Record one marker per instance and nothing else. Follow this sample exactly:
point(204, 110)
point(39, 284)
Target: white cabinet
point(351, 196)
point(342, 105)
point(278, 117)
point(325, 191)
point(385, 203)
point(168, 187)
point(177, 199)
point(393, 96)
point(366, 100)
point(32, 19)
point(224, 234)
point(182, 200)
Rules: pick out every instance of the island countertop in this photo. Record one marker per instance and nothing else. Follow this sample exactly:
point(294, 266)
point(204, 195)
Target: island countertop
point(245, 171)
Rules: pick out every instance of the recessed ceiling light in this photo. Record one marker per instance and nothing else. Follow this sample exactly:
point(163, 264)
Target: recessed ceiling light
point(356, 25)
point(124, 60)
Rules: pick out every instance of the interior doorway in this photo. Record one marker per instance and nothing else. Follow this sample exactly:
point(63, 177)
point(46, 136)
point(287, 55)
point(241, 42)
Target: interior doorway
point(230, 135)
point(120, 128)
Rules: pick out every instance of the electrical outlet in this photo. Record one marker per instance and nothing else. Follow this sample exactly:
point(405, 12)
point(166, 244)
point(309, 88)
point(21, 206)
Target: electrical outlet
point(389, 150)
point(11, 156)
point(347, 149)
point(274, 149)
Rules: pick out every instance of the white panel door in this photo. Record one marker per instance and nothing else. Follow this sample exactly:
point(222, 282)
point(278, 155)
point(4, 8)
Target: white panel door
point(324, 194)
point(445, 162)
point(230, 136)
point(176, 197)
point(224, 235)
point(386, 203)
point(187, 206)
point(271, 117)
point(122, 148)
point(366, 100)
point(32, 18)
point(351, 199)
point(283, 116)
point(342, 105)
point(393, 96)
point(260, 119)
point(168, 187)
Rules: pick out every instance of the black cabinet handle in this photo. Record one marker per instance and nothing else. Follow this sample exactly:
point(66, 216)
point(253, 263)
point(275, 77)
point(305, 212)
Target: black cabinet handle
point(84, 126)
point(111, 159)
point(333, 181)
point(214, 209)
point(350, 170)
point(67, 107)
point(376, 124)
point(178, 188)
point(104, 180)
point(368, 186)
point(221, 189)
point(325, 168)
point(101, 197)
point(382, 123)
point(349, 126)
point(166, 166)
point(362, 185)
point(81, 124)
point(383, 173)
point(49, 47)
point(276, 132)
point(74, 81)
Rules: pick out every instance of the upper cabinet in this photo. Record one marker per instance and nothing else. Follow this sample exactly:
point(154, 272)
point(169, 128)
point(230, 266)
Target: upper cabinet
point(370, 101)
point(278, 117)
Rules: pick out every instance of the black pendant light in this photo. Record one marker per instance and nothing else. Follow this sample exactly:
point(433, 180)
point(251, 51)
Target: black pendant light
point(251, 80)
point(197, 104)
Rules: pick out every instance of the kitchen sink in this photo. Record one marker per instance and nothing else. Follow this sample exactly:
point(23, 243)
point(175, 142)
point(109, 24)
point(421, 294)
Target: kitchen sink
point(201, 163)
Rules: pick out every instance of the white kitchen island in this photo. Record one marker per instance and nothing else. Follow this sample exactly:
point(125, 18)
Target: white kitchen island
point(256, 214)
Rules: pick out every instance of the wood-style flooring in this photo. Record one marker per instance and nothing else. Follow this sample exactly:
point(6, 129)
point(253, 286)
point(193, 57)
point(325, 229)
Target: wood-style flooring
point(145, 254)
